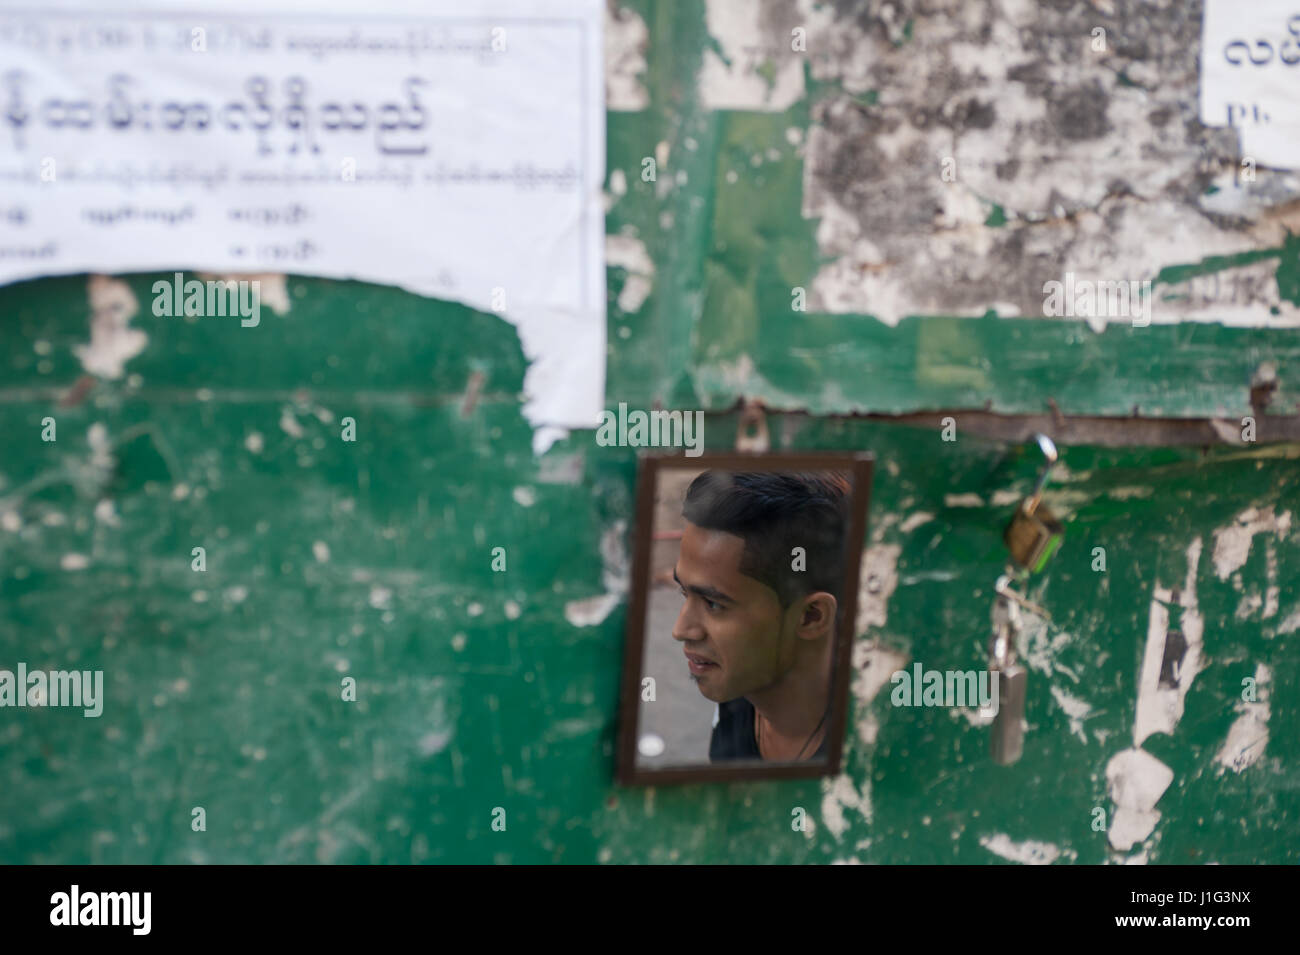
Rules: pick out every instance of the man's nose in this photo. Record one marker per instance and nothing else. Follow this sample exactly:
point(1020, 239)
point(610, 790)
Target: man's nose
point(686, 627)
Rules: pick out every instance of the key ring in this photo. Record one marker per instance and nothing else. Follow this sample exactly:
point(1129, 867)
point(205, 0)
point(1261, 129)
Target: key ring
point(1002, 588)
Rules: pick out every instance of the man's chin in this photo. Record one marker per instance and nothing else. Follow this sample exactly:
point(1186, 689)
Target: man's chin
point(708, 693)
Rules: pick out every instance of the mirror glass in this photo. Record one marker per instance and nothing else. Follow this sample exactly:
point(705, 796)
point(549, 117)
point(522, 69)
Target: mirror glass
point(745, 603)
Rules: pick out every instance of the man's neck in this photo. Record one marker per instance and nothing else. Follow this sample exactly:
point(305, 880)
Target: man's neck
point(791, 711)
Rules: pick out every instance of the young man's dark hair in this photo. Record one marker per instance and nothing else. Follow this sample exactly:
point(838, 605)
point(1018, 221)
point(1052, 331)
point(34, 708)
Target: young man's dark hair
point(776, 512)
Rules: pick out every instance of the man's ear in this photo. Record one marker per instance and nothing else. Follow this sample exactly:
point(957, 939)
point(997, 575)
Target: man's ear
point(817, 618)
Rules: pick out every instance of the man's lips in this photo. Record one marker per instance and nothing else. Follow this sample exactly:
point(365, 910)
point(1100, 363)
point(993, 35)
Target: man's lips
point(699, 664)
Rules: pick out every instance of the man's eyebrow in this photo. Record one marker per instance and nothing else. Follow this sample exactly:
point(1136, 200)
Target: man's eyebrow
point(708, 593)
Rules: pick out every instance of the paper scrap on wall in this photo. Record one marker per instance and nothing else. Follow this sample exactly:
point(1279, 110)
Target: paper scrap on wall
point(455, 152)
point(1250, 76)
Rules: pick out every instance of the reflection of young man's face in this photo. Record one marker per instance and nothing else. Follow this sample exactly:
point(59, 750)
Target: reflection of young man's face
point(736, 637)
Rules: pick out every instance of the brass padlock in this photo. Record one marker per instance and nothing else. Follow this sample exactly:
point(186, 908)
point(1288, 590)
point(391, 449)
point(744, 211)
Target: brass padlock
point(1034, 534)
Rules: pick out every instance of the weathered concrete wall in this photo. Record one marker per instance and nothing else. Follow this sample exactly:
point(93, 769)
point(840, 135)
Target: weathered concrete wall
point(478, 690)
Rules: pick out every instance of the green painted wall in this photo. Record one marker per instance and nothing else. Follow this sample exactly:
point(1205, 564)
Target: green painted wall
point(372, 559)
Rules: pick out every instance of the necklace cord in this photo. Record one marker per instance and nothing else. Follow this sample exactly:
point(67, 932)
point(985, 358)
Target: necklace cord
point(799, 756)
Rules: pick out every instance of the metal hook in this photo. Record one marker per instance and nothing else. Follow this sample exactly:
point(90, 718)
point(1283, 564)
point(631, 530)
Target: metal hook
point(1048, 447)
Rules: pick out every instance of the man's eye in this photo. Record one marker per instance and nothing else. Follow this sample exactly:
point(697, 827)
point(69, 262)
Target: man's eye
point(713, 607)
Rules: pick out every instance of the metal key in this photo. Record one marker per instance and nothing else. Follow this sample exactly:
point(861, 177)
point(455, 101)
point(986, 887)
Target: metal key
point(1008, 738)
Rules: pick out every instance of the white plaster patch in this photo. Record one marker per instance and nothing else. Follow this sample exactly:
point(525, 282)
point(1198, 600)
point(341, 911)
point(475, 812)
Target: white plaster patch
point(750, 50)
point(873, 665)
point(1248, 606)
point(634, 293)
point(963, 500)
point(101, 448)
point(1291, 624)
point(617, 188)
point(289, 424)
point(1042, 645)
point(914, 521)
point(1159, 708)
point(1244, 295)
point(1232, 543)
point(1063, 503)
point(112, 341)
point(275, 290)
point(1141, 857)
point(628, 252)
point(74, 562)
point(1272, 592)
point(877, 581)
point(1028, 852)
point(106, 513)
point(838, 795)
point(1248, 735)
point(1235, 198)
point(974, 716)
point(433, 743)
point(592, 610)
point(845, 285)
point(1136, 781)
point(1076, 709)
point(1127, 493)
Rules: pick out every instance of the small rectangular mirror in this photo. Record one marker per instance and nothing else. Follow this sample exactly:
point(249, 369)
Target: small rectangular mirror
point(741, 618)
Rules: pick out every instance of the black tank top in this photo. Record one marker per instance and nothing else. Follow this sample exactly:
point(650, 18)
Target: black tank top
point(733, 737)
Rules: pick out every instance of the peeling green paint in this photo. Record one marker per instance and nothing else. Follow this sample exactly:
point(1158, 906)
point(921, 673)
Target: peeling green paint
point(476, 690)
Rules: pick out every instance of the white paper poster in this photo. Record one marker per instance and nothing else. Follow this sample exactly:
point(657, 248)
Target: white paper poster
point(453, 149)
point(1250, 76)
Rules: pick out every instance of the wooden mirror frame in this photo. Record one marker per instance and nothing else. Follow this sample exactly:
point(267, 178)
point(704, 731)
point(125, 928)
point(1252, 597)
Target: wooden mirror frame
point(859, 465)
